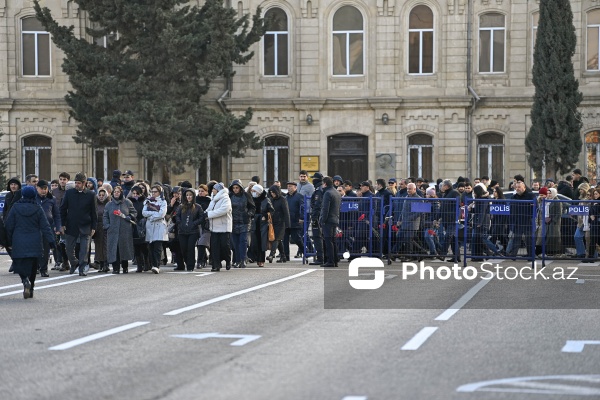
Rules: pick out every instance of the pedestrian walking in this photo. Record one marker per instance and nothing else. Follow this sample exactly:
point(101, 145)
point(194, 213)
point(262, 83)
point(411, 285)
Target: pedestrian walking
point(119, 214)
point(155, 209)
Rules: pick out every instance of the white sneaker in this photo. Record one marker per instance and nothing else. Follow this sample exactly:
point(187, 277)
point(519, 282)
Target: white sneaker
point(86, 268)
point(155, 270)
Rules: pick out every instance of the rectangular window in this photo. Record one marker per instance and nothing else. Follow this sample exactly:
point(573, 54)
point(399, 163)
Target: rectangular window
point(35, 48)
point(484, 50)
point(592, 48)
point(106, 161)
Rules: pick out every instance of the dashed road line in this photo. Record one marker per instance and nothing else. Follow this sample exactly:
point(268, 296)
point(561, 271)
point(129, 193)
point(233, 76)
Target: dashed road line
point(420, 338)
point(446, 315)
point(97, 336)
point(238, 293)
point(38, 281)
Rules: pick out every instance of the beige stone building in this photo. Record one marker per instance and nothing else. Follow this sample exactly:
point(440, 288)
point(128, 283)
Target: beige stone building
point(363, 89)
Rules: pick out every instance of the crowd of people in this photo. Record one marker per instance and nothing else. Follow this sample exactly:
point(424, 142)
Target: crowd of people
point(134, 220)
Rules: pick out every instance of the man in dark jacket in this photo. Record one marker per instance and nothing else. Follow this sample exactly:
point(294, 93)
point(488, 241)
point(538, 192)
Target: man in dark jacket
point(296, 206)
point(46, 201)
point(14, 194)
point(577, 180)
point(330, 220)
point(116, 178)
point(316, 201)
point(79, 218)
point(521, 220)
point(60, 253)
point(128, 182)
point(449, 218)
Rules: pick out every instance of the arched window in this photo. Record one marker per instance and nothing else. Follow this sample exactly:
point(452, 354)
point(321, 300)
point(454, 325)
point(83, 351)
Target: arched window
point(490, 150)
point(491, 43)
point(420, 156)
point(276, 155)
point(348, 38)
point(592, 156)
point(420, 38)
point(593, 40)
point(276, 43)
point(37, 156)
point(35, 48)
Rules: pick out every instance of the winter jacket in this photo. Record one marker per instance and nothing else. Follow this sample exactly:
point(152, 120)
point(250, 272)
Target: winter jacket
point(26, 225)
point(119, 230)
point(138, 204)
point(330, 211)
point(51, 210)
point(78, 212)
point(219, 212)
point(156, 225)
point(95, 183)
point(242, 208)
point(280, 214)
point(296, 208)
point(11, 197)
point(306, 189)
point(410, 219)
point(188, 221)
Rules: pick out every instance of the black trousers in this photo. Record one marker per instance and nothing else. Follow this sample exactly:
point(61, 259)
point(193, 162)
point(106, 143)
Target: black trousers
point(331, 250)
point(187, 244)
point(220, 248)
point(317, 238)
point(33, 273)
point(141, 254)
point(155, 250)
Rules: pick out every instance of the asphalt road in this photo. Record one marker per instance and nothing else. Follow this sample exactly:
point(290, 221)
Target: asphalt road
point(281, 333)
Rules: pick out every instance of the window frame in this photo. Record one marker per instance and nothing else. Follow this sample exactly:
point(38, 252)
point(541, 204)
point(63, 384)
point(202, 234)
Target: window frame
point(106, 170)
point(492, 30)
point(419, 148)
point(36, 150)
point(35, 34)
point(276, 35)
point(433, 47)
point(275, 149)
point(490, 160)
point(587, 35)
point(347, 34)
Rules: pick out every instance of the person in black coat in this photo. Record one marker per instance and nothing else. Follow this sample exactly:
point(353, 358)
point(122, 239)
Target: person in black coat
point(203, 243)
point(259, 238)
point(329, 221)
point(45, 199)
point(140, 246)
point(188, 220)
point(281, 219)
point(14, 194)
point(449, 216)
point(79, 218)
point(294, 234)
point(521, 215)
point(242, 212)
point(26, 229)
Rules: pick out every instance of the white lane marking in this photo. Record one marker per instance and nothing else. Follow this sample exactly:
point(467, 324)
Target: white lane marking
point(96, 336)
point(56, 284)
point(446, 315)
point(355, 398)
point(242, 339)
point(592, 264)
point(580, 281)
point(37, 281)
point(484, 386)
point(238, 293)
point(205, 273)
point(419, 338)
point(576, 346)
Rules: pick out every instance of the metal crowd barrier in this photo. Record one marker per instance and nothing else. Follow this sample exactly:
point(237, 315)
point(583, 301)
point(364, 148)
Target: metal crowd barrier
point(360, 231)
point(423, 228)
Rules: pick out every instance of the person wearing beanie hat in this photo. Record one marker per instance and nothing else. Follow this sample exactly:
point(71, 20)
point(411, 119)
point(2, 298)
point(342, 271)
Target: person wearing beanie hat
point(221, 224)
point(257, 190)
point(116, 178)
point(79, 219)
point(24, 223)
point(543, 191)
point(45, 199)
point(337, 180)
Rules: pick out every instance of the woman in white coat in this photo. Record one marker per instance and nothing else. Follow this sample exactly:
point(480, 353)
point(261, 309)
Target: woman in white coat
point(155, 209)
point(221, 224)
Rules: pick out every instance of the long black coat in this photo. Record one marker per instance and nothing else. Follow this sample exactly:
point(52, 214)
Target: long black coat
point(26, 224)
point(330, 209)
point(280, 214)
point(78, 212)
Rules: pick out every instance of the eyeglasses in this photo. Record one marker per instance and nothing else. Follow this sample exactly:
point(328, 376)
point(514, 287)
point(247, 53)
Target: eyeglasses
point(155, 191)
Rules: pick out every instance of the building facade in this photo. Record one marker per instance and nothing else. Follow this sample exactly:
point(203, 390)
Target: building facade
point(361, 89)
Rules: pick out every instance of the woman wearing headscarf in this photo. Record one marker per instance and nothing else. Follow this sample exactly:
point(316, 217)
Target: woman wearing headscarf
point(155, 209)
point(203, 243)
point(220, 225)
point(119, 214)
point(243, 210)
point(100, 235)
point(140, 246)
point(26, 228)
point(281, 220)
point(188, 220)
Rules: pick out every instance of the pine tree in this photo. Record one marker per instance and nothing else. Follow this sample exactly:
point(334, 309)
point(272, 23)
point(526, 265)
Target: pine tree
point(4, 153)
point(146, 85)
point(554, 136)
